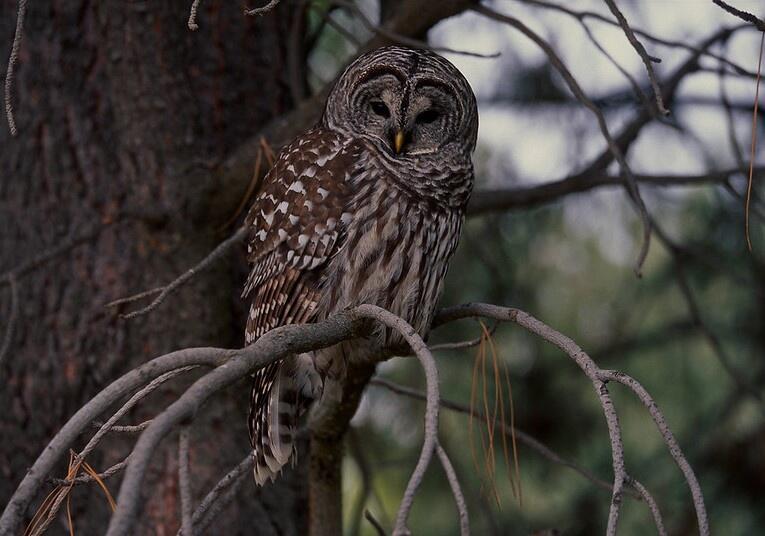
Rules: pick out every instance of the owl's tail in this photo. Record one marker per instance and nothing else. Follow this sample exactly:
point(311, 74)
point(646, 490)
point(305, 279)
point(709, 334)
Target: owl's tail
point(281, 391)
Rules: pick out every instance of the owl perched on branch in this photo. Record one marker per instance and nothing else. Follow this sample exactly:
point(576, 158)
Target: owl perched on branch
point(366, 207)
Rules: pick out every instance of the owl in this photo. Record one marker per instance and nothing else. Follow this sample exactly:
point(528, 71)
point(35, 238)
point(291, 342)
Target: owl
point(365, 207)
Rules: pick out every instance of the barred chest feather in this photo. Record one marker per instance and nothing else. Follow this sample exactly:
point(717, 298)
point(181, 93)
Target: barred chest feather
point(396, 251)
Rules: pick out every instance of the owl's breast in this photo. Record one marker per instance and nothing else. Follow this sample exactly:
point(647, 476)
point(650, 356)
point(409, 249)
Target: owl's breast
point(395, 256)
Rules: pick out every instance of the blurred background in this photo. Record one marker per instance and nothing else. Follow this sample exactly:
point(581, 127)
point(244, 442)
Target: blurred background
point(129, 120)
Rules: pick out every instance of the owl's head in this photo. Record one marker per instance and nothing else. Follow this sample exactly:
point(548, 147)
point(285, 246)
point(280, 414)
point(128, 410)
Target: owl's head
point(405, 101)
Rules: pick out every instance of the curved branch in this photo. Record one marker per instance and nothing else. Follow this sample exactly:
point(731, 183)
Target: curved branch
point(640, 49)
point(270, 347)
point(430, 439)
point(454, 484)
point(669, 440)
point(11, 71)
point(598, 377)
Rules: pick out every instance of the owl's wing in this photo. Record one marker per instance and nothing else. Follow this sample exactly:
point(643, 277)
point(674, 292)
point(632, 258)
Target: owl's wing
point(296, 226)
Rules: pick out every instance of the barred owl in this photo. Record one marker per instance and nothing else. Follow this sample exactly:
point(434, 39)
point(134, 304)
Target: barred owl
point(366, 207)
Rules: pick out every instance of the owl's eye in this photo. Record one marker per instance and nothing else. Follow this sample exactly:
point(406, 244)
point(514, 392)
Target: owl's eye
point(379, 108)
point(428, 116)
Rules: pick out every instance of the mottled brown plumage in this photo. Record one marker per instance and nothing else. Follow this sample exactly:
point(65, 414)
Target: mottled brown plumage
point(366, 207)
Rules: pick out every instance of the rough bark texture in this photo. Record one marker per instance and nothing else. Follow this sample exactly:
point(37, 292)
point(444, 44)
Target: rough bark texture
point(122, 112)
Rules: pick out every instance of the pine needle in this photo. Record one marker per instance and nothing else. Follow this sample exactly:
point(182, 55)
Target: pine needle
point(41, 519)
point(754, 146)
point(94, 474)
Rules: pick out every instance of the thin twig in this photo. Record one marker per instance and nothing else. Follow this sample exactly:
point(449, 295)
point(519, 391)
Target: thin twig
point(95, 440)
point(135, 297)
point(754, 146)
point(669, 439)
point(13, 316)
point(213, 256)
point(743, 15)
point(523, 437)
point(259, 11)
point(635, 86)
point(658, 521)
point(454, 484)
point(375, 524)
point(11, 71)
point(582, 15)
point(648, 60)
point(184, 481)
point(463, 344)
point(127, 406)
point(573, 85)
point(230, 479)
point(86, 478)
point(403, 39)
point(192, 23)
point(129, 429)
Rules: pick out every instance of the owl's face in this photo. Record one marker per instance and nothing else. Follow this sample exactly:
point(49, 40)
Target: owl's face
point(406, 102)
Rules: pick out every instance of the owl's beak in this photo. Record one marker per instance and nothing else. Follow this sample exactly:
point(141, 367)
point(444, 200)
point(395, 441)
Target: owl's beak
point(398, 141)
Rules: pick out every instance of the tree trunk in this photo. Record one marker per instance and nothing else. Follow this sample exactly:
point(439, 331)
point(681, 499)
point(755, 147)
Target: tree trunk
point(122, 113)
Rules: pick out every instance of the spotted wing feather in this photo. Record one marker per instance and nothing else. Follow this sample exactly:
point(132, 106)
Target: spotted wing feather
point(297, 224)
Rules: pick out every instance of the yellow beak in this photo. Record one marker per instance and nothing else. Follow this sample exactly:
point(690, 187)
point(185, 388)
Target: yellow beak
point(398, 141)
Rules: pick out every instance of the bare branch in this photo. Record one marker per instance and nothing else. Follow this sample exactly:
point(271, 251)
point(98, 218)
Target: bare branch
point(430, 438)
point(573, 85)
point(140, 395)
point(135, 297)
point(184, 481)
point(134, 429)
point(270, 347)
point(669, 440)
point(743, 15)
point(635, 86)
point(84, 417)
point(259, 11)
point(192, 23)
point(86, 478)
point(376, 524)
point(222, 248)
point(459, 497)
point(11, 71)
point(698, 51)
point(296, 339)
point(226, 486)
point(640, 49)
point(403, 39)
point(484, 201)
point(598, 377)
point(652, 506)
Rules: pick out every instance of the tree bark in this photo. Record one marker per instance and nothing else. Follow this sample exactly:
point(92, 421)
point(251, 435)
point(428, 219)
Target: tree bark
point(122, 113)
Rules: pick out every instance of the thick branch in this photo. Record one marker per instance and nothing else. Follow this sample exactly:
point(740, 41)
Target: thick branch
point(484, 201)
